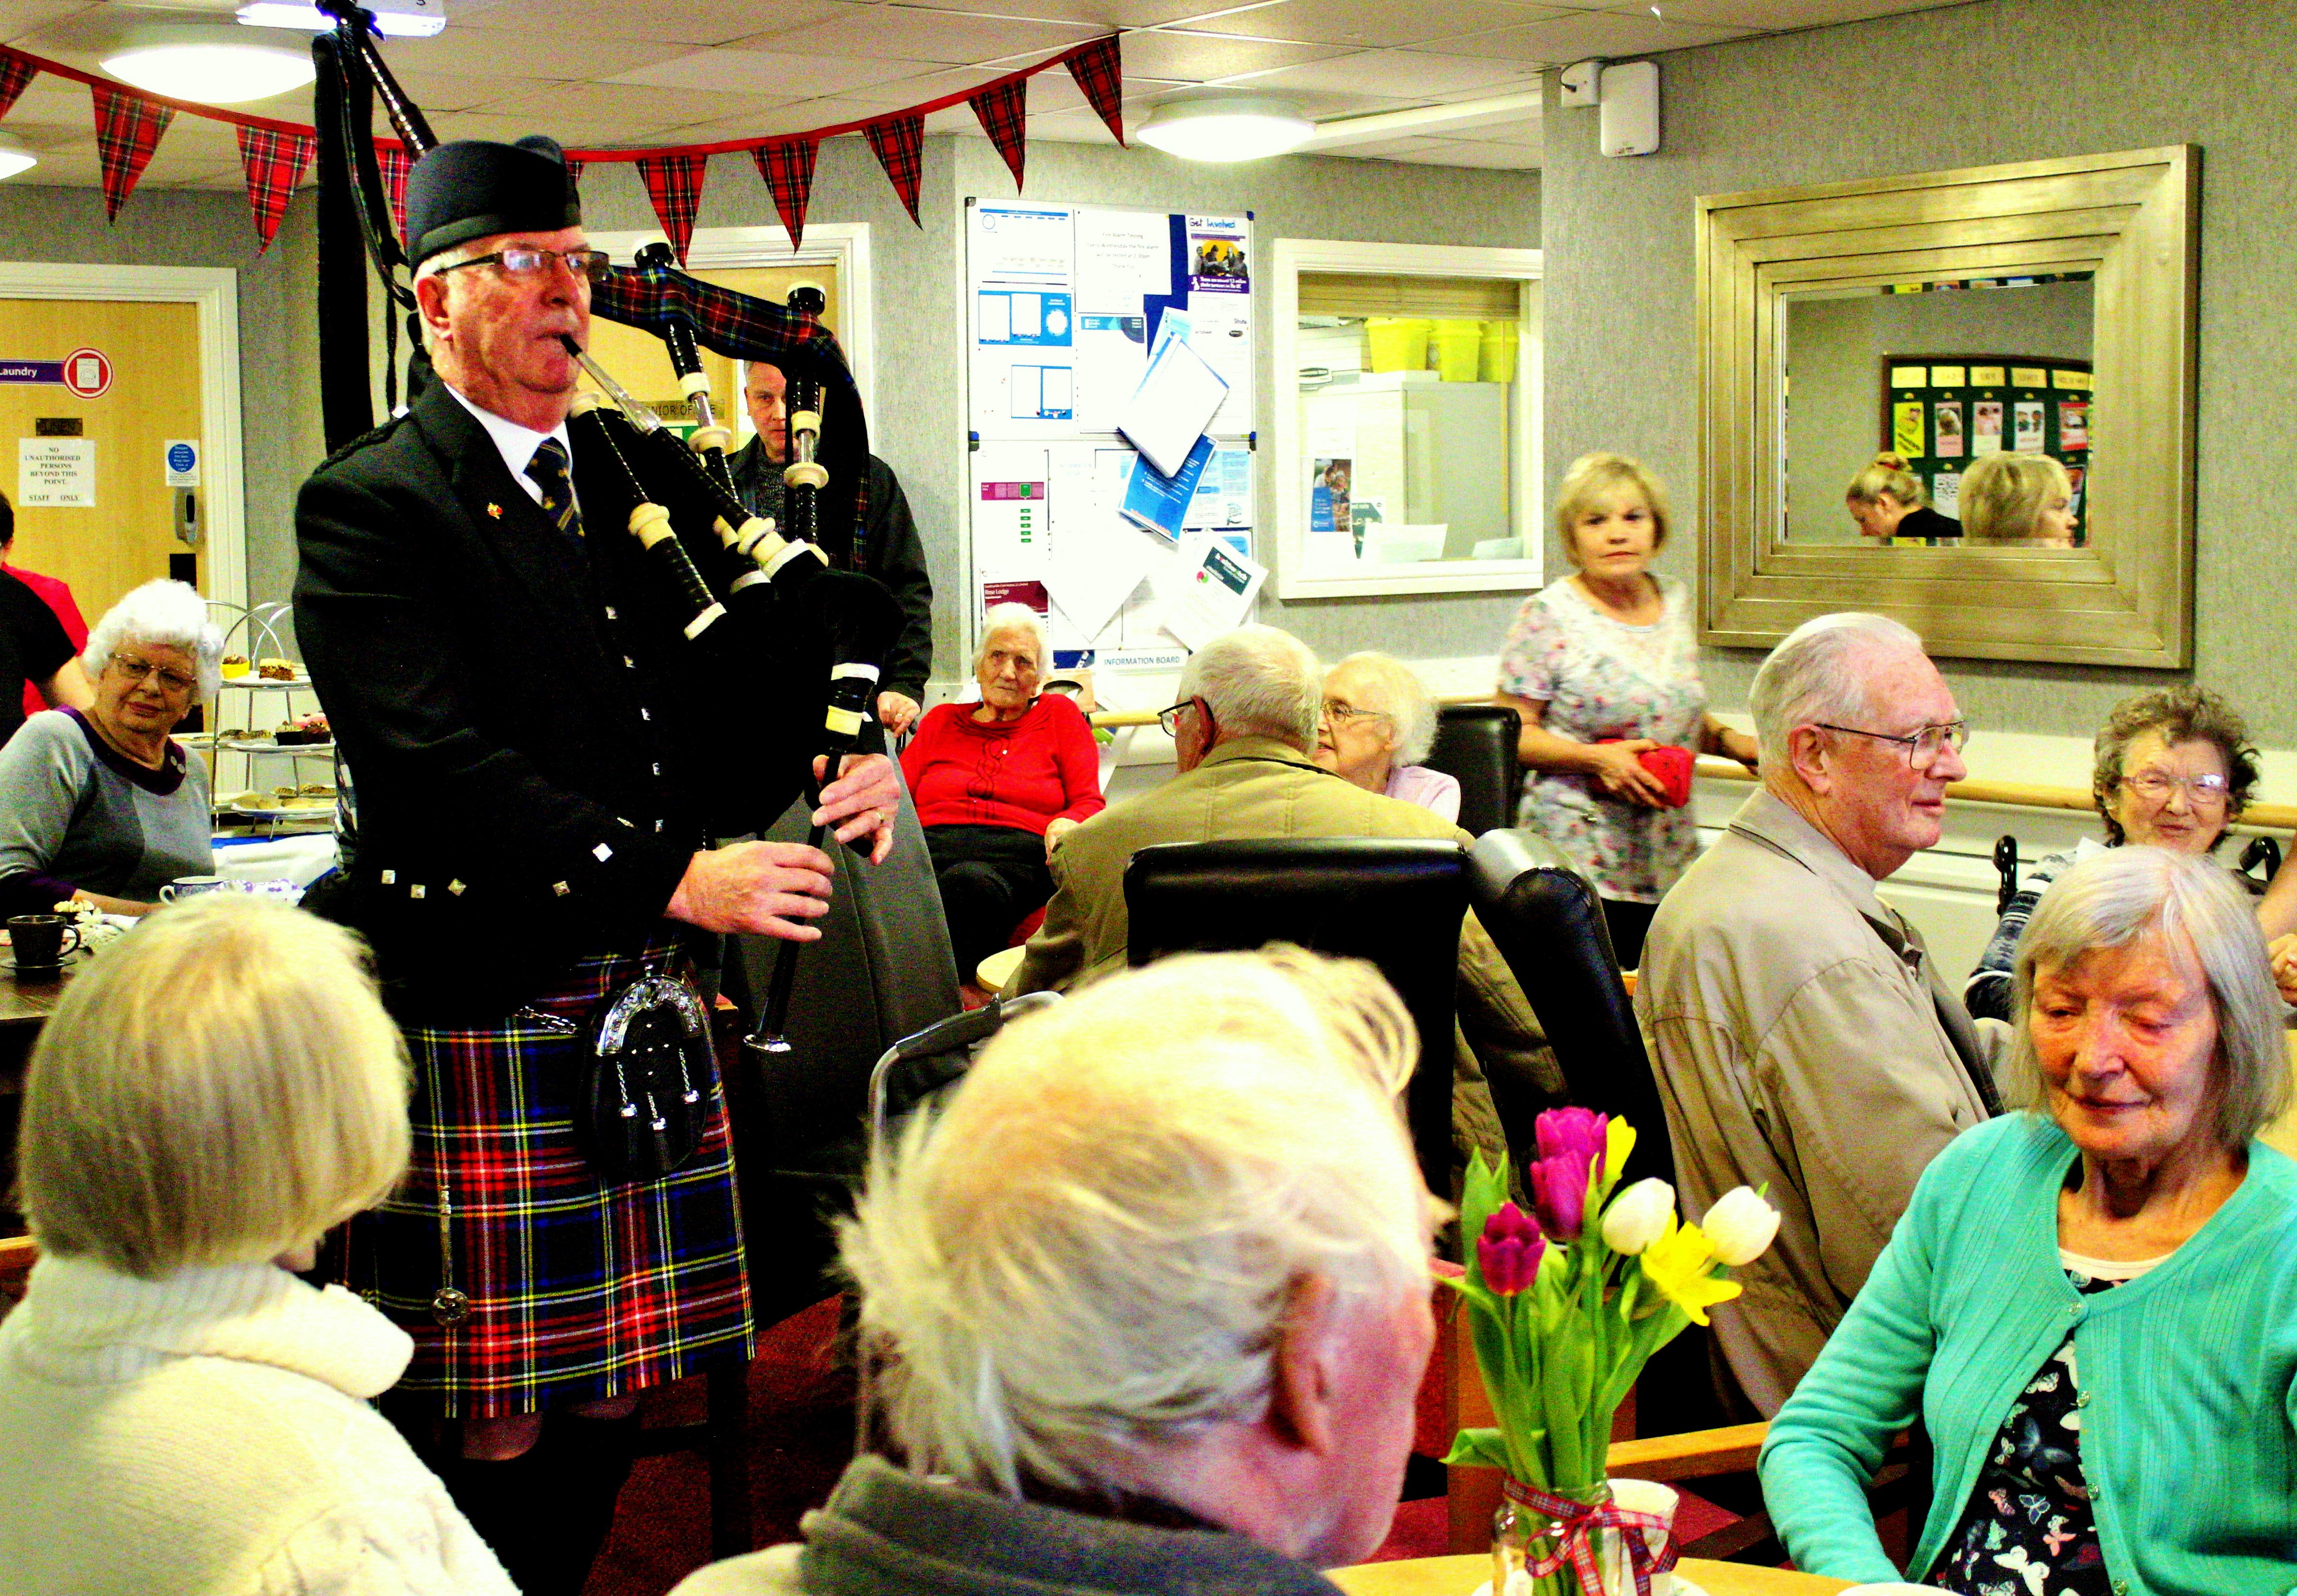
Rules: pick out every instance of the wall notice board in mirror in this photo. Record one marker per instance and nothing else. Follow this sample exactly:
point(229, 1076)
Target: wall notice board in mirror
point(2011, 349)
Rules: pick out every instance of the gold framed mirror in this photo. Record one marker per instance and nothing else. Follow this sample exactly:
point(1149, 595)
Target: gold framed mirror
point(1808, 302)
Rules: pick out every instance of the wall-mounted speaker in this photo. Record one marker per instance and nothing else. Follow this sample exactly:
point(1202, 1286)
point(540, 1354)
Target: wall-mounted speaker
point(1631, 109)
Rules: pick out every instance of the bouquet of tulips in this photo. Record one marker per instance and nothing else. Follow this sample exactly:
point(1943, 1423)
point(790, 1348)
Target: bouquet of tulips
point(1567, 1303)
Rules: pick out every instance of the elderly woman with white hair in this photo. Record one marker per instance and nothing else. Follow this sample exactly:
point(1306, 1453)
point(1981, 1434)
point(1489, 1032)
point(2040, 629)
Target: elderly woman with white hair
point(2092, 1305)
point(177, 1412)
point(104, 806)
point(1378, 723)
point(998, 783)
point(1150, 1297)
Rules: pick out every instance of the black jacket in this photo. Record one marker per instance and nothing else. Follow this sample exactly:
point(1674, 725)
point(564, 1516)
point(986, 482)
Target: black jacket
point(537, 751)
point(892, 553)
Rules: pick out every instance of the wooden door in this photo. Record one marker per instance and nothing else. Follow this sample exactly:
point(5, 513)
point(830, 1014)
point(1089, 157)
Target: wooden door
point(125, 539)
point(639, 362)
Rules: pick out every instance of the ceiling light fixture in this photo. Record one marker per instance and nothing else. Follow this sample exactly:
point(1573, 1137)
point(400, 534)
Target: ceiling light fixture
point(14, 157)
point(394, 19)
point(1228, 127)
point(212, 74)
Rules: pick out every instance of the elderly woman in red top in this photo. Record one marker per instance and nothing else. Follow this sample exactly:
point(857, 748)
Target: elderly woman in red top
point(998, 783)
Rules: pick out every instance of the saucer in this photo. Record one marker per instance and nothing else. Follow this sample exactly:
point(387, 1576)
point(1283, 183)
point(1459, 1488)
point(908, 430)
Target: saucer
point(38, 971)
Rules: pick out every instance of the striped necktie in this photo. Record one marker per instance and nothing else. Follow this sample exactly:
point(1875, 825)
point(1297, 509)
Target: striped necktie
point(549, 470)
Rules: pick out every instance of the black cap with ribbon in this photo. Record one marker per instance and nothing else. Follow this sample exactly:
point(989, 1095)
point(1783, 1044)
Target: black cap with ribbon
point(473, 188)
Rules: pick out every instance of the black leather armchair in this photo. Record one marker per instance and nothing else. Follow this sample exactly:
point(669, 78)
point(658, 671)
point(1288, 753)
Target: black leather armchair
point(1548, 925)
point(1397, 903)
point(1475, 745)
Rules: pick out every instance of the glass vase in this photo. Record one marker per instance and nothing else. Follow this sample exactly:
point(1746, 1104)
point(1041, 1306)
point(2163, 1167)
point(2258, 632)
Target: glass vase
point(1523, 1537)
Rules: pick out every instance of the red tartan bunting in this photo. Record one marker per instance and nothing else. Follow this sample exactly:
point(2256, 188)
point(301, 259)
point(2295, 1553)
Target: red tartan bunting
point(16, 74)
point(276, 163)
point(128, 129)
point(788, 170)
point(396, 164)
point(1098, 70)
point(1002, 108)
point(899, 145)
point(673, 183)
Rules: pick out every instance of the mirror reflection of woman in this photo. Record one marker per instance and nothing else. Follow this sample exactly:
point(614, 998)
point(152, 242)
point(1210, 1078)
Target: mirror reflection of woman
point(1887, 501)
point(2020, 500)
point(1601, 667)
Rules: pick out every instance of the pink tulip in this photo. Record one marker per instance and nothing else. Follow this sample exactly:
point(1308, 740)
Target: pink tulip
point(1508, 1250)
point(1559, 1191)
point(1578, 1132)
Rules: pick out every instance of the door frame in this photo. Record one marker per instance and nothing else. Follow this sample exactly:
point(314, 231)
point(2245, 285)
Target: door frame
point(223, 466)
point(841, 245)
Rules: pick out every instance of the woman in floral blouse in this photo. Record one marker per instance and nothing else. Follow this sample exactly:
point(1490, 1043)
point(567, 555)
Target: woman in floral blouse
point(1601, 667)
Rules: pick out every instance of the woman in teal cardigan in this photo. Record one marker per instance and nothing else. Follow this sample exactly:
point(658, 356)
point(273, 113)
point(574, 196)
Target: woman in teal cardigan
point(2091, 1304)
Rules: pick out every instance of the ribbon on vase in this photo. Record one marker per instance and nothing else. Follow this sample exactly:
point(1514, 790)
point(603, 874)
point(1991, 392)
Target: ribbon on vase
point(1576, 1524)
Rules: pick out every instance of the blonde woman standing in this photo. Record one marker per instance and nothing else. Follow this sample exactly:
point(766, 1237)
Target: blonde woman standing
point(1603, 667)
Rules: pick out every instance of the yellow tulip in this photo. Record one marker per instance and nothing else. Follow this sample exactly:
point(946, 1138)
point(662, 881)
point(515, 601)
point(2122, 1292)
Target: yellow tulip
point(1618, 1141)
point(1677, 1262)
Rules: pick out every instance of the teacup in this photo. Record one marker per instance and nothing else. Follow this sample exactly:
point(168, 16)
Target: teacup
point(184, 887)
point(40, 941)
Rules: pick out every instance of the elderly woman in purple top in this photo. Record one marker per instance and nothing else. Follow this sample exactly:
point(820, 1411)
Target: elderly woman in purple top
point(104, 806)
point(1378, 723)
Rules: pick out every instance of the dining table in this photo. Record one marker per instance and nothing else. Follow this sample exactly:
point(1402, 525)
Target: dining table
point(26, 1001)
point(1460, 1577)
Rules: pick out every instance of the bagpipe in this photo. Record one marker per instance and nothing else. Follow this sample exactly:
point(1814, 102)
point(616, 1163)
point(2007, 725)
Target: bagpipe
point(737, 585)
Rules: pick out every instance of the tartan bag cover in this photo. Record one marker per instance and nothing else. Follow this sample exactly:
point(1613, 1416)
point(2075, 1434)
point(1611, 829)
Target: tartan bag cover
point(128, 129)
point(899, 143)
point(16, 75)
point(276, 163)
point(788, 170)
point(1002, 107)
point(578, 1289)
point(1099, 69)
point(395, 163)
point(673, 185)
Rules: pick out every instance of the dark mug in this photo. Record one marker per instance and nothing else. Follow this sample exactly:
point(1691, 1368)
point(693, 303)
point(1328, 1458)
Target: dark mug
point(38, 940)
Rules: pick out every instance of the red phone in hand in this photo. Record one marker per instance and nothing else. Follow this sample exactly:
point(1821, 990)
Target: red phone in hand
point(1672, 766)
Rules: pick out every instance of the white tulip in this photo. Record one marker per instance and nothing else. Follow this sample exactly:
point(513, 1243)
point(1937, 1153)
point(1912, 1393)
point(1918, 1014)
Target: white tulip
point(1638, 1216)
point(1740, 1225)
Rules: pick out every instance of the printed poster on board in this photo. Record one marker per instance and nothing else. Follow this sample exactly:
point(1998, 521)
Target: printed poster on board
point(1986, 427)
point(2029, 426)
point(2073, 424)
point(1948, 422)
point(1906, 429)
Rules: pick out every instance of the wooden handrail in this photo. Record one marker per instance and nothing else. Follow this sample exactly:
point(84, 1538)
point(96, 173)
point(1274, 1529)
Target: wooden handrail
point(2016, 794)
point(1694, 1454)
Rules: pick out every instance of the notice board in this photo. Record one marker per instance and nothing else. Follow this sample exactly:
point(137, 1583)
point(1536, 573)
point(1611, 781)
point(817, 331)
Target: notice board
point(1942, 412)
point(1065, 304)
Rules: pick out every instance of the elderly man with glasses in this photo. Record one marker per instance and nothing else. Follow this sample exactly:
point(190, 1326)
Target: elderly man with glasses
point(533, 742)
point(1803, 1038)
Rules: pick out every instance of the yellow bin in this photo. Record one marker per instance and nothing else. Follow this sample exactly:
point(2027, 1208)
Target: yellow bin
point(1498, 353)
point(1459, 349)
point(1398, 343)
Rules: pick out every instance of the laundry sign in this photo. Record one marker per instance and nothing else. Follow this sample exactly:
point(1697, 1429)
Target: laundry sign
point(86, 372)
point(56, 473)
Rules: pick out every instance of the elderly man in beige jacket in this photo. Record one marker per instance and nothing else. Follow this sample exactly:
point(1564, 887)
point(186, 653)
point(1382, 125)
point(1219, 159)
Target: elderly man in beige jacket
point(1802, 1037)
point(1243, 733)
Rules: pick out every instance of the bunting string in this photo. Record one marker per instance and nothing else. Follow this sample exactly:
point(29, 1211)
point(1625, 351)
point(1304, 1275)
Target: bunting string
point(129, 123)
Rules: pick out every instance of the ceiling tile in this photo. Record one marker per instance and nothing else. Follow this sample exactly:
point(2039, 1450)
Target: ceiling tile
point(538, 53)
point(766, 71)
point(1411, 74)
point(576, 133)
point(1369, 27)
point(1104, 15)
point(676, 21)
point(449, 91)
point(1202, 57)
point(912, 33)
point(21, 17)
point(1495, 157)
point(1775, 14)
point(1607, 35)
point(617, 102)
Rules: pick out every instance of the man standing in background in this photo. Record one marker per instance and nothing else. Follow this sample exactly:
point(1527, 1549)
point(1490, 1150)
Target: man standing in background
point(891, 551)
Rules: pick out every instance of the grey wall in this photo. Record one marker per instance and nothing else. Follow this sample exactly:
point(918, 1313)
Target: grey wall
point(1995, 81)
point(920, 427)
point(1835, 351)
point(278, 373)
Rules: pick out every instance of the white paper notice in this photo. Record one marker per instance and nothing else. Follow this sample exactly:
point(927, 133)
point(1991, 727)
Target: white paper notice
point(56, 473)
point(1091, 582)
point(1175, 402)
point(1217, 596)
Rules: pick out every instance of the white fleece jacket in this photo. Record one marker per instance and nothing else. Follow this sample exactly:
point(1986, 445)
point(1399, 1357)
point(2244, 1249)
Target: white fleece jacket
point(208, 1434)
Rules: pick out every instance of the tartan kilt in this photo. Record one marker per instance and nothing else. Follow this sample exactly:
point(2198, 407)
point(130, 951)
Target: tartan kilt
point(580, 1289)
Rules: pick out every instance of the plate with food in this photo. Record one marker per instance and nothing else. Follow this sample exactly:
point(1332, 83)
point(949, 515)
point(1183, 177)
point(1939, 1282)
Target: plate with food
point(313, 800)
